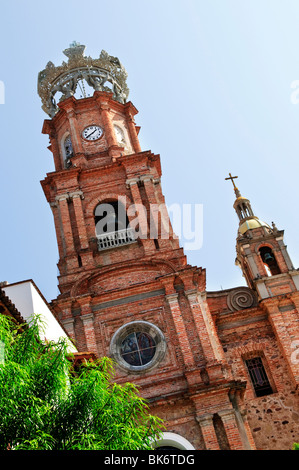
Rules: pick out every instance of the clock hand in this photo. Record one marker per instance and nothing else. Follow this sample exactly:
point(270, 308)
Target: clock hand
point(90, 134)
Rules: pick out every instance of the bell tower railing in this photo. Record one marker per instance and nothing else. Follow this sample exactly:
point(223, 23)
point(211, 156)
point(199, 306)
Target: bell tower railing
point(115, 239)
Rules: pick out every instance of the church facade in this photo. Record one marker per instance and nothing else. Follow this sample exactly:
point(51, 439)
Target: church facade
point(219, 367)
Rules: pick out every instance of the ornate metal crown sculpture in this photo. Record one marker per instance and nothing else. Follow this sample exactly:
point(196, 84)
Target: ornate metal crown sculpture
point(98, 73)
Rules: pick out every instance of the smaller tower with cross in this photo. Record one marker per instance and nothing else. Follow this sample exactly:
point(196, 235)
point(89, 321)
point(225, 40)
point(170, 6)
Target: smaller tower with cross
point(261, 252)
point(242, 206)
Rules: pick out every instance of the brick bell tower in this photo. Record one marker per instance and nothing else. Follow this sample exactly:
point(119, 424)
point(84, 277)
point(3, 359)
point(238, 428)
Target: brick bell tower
point(126, 290)
point(267, 267)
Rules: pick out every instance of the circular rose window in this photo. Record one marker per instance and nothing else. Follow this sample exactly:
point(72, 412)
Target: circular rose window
point(138, 349)
point(138, 345)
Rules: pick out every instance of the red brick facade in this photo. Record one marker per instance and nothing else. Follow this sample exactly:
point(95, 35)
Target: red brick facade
point(199, 382)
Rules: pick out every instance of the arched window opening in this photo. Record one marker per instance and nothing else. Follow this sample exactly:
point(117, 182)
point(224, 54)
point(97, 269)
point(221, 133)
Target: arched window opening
point(112, 225)
point(172, 441)
point(68, 151)
point(269, 261)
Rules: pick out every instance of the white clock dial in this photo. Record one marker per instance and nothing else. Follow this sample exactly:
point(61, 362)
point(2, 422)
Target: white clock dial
point(92, 133)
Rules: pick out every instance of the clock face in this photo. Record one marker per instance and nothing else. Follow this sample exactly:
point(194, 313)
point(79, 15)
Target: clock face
point(92, 133)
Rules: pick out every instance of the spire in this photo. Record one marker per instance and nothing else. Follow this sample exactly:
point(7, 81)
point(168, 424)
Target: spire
point(242, 206)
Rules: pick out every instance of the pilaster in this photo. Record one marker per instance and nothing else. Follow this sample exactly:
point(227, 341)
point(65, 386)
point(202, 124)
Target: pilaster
point(212, 349)
point(69, 326)
point(55, 150)
point(132, 130)
point(58, 227)
point(176, 313)
point(283, 336)
point(87, 318)
point(208, 431)
point(228, 418)
point(74, 130)
point(76, 197)
point(62, 201)
point(155, 211)
point(147, 243)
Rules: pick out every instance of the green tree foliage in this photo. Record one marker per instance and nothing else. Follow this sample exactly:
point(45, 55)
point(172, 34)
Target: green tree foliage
point(46, 405)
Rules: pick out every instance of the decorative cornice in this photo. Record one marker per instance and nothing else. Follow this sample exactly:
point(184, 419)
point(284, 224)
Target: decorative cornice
point(62, 197)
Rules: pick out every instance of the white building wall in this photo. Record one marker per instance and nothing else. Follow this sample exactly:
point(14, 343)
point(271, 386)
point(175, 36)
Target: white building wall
point(28, 301)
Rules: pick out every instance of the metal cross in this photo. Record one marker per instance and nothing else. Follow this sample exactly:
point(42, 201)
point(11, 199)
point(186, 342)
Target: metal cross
point(232, 179)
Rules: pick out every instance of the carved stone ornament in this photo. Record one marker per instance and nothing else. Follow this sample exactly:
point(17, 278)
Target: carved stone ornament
point(65, 78)
point(240, 298)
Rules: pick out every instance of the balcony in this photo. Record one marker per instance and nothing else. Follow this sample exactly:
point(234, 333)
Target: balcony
point(107, 241)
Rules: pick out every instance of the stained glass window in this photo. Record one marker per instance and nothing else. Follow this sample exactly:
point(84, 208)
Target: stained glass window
point(258, 377)
point(138, 349)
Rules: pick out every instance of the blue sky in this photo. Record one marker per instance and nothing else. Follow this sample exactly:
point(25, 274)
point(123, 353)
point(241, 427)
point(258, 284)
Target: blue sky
point(212, 83)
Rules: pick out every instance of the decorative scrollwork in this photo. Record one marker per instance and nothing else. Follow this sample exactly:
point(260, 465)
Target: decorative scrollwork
point(103, 74)
point(241, 298)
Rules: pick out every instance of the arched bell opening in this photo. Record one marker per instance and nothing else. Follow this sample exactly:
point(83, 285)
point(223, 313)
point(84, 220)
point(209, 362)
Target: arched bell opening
point(112, 225)
point(67, 150)
point(269, 260)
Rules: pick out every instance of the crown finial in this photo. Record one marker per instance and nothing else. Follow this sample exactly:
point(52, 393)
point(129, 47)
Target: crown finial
point(103, 74)
point(75, 51)
point(75, 44)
